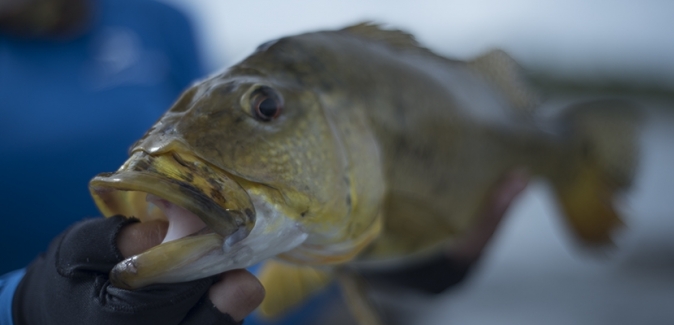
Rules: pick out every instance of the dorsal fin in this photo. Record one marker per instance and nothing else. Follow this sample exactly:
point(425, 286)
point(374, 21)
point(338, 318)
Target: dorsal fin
point(502, 71)
point(392, 37)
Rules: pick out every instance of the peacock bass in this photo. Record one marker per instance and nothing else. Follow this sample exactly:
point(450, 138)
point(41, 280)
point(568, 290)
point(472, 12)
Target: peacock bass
point(352, 146)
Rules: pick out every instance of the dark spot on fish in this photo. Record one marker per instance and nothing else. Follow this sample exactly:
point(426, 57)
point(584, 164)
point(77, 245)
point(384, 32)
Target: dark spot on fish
point(217, 196)
point(238, 120)
point(197, 196)
point(187, 188)
point(188, 177)
point(214, 183)
point(250, 214)
point(304, 214)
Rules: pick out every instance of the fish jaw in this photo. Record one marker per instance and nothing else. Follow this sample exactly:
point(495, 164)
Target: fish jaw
point(202, 255)
point(213, 223)
point(182, 179)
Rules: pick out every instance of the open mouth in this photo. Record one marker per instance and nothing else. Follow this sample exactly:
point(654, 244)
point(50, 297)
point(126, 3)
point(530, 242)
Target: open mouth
point(207, 211)
point(181, 222)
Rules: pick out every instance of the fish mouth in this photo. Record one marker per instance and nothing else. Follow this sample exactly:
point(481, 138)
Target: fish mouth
point(208, 212)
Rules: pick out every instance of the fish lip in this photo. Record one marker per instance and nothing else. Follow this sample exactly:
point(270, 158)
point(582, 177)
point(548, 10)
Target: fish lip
point(183, 180)
point(124, 192)
point(165, 263)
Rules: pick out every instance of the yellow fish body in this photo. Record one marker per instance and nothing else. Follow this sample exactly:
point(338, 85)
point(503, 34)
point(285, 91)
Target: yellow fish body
point(355, 145)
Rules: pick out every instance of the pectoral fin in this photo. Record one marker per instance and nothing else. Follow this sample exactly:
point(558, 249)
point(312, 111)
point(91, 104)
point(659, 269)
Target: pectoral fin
point(288, 285)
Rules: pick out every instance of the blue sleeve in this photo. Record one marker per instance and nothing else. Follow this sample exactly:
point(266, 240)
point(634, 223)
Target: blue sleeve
point(8, 284)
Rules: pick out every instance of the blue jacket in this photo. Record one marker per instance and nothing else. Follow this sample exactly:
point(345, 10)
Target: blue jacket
point(8, 284)
point(71, 109)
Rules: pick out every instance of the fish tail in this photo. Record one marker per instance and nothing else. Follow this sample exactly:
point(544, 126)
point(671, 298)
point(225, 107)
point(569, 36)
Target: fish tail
point(604, 158)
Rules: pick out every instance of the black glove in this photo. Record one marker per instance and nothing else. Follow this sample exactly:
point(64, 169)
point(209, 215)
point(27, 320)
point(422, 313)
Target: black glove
point(69, 285)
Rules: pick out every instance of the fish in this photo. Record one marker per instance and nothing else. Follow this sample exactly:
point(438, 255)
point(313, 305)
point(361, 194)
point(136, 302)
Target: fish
point(353, 147)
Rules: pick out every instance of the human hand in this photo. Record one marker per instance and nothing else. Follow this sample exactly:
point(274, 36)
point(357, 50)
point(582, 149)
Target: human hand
point(69, 284)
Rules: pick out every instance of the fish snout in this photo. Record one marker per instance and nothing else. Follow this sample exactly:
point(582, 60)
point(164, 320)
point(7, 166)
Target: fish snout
point(207, 212)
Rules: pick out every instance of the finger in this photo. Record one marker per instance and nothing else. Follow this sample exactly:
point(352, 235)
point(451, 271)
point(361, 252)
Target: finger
point(141, 236)
point(88, 246)
point(237, 293)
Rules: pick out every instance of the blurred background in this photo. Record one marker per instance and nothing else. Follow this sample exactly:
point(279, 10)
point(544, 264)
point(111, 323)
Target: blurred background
point(580, 40)
point(532, 272)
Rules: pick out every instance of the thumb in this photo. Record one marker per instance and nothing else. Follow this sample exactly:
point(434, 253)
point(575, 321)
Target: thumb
point(237, 293)
point(138, 237)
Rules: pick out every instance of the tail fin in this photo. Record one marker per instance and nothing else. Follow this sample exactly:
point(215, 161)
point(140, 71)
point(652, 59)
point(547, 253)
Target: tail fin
point(604, 159)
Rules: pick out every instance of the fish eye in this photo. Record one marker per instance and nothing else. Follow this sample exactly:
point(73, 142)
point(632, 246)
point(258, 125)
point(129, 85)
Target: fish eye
point(266, 104)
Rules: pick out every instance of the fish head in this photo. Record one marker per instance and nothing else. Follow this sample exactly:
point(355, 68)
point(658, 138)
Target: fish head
point(246, 165)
